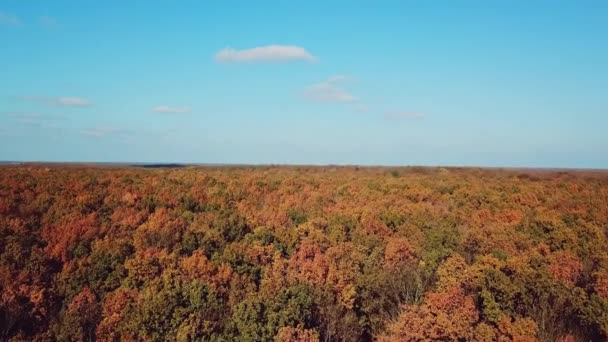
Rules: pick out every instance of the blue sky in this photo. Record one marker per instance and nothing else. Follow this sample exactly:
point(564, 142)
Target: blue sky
point(484, 83)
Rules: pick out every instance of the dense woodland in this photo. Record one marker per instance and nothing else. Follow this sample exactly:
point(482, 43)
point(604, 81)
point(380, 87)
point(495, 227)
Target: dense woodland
point(302, 254)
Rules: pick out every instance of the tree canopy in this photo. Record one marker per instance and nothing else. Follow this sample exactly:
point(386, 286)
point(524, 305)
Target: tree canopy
point(302, 254)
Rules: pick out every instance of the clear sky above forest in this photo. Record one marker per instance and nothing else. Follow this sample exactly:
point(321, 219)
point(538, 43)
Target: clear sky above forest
point(486, 83)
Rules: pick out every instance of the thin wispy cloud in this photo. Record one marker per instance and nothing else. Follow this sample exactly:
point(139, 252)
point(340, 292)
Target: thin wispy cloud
point(68, 101)
point(337, 78)
point(35, 119)
point(48, 22)
point(403, 115)
point(330, 91)
point(7, 19)
point(360, 108)
point(104, 131)
point(72, 102)
point(270, 53)
point(171, 109)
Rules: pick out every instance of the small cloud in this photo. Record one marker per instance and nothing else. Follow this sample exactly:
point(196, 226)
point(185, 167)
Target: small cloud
point(171, 110)
point(59, 101)
point(403, 116)
point(270, 53)
point(7, 19)
point(360, 108)
point(329, 90)
point(71, 102)
point(102, 132)
point(48, 22)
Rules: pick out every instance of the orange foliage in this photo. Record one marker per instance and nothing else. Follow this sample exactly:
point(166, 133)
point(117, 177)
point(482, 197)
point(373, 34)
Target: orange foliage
point(84, 305)
point(114, 310)
point(308, 264)
point(565, 267)
point(601, 284)
point(198, 267)
point(518, 330)
point(63, 237)
point(446, 315)
point(291, 334)
point(398, 252)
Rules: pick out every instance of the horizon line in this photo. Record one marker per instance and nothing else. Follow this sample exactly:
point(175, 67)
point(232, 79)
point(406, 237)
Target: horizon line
point(345, 165)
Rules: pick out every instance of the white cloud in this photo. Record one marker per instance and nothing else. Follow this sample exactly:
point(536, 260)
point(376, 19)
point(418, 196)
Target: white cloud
point(48, 22)
point(68, 101)
point(7, 19)
point(270, 53)
point(330, 90)
point(102, 132)
point(171, 110)
point(403, 116)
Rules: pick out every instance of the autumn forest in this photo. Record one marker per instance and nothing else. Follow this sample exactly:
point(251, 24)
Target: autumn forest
point(238, 253)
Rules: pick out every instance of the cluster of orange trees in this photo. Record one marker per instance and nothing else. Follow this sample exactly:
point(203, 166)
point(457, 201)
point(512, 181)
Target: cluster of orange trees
point(302, 254)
